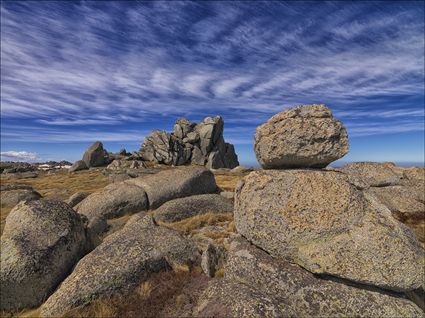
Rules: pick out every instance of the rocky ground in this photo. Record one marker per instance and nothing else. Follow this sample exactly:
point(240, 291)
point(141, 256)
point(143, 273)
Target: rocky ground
point(135, 238)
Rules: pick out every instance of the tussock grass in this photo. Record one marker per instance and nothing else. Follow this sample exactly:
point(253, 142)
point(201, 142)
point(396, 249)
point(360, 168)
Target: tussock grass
point(145, 290)
point(164, 294)
point(180, 268)
point(190, 225)
point(227, 182)
point(4, 212)
point(60, 185)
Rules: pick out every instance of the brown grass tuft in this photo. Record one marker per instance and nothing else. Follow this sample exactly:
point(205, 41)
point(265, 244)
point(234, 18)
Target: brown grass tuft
point(227, 182)
point(145, 290)
point(156, 297)
point(60, 185)
point(188, 226)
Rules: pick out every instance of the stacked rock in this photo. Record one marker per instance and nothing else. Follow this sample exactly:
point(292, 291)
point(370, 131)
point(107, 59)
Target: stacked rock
point(322, 221)
point(191, 143)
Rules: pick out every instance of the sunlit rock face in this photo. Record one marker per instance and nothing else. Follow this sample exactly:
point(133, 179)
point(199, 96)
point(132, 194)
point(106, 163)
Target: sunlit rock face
point(306, 136)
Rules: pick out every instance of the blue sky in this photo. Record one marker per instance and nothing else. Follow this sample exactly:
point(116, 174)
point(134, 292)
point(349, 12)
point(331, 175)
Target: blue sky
point(76, 72)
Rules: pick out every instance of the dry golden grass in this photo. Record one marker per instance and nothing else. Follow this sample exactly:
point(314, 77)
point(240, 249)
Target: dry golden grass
point(4, 212)
point(219, 272)
point(188, 226)
point(165, 294)
point(144, 290)
point(60, 185)
point(227, 182)
point(181, 268)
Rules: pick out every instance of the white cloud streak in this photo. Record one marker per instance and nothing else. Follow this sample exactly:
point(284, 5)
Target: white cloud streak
point(60, 71)
point(18, 156)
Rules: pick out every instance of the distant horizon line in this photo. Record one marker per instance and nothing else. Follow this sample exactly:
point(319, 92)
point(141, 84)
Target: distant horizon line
point(255, 165)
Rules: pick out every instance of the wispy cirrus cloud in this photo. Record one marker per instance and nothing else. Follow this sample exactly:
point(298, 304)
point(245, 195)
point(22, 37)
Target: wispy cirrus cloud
point(112, 65)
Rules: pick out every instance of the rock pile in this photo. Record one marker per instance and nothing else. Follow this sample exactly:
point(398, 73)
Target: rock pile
point(147, 192)
point(314, 221)
point(199, 144)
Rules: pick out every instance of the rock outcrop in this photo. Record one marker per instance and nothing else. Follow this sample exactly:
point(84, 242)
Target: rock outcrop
point(123, 165)
point(78, 165)
point(323, 222)
point(305, 136)
point(123, 261)
point(374, 174)
point(175, 183)
point(258, 285)
point(41, 242)
point(146, 192)
point(182, 208)
point(76, 198)
point(95, 155)
point(199, 144)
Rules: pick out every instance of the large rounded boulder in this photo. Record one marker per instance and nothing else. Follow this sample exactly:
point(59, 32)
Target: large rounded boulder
point(325, 223)
point(42, 241)
point(305, 136)
point(113, 201)
point(123, 261)
point(258, 285)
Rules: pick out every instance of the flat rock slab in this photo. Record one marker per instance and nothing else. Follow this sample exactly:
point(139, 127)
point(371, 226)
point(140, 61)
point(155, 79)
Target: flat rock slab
point(113, 201)
point(258, 285)
point(302, 137)
point(76, 198)
point(403, 201)
point(13, 197)
point(123, 261)
point(182, 208)
point(321, 221)
point(175, 183)
point(374, 174)
point(41, 242)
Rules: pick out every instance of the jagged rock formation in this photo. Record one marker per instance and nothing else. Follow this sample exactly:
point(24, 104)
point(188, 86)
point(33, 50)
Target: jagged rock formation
point(304, 136)
point(191, 143)
point(95, 155)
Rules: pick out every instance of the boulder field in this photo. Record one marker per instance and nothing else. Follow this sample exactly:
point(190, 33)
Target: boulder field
point(310, 241)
